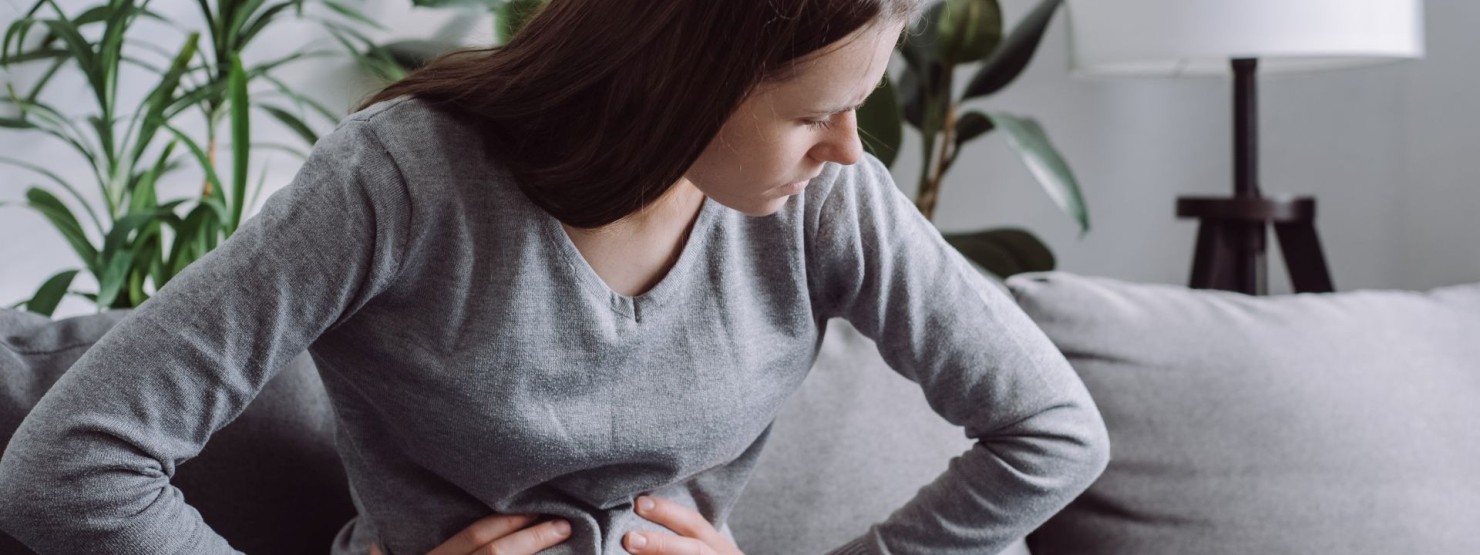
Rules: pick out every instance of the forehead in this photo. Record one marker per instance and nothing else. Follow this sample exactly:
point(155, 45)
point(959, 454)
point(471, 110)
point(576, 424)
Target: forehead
point(839, 71)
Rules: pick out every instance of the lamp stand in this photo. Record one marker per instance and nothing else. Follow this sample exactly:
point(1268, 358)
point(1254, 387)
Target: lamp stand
point(1231, 237)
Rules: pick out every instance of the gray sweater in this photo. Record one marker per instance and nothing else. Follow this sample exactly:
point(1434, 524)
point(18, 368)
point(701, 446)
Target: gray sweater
point(477, 364)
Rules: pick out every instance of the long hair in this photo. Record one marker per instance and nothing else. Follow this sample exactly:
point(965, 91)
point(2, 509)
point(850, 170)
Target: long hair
point(597, 107)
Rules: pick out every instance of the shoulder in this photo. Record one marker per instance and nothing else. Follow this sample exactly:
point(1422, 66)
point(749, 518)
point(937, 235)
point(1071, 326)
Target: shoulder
point(851, 194)
point(414, 123)
point(436, 149)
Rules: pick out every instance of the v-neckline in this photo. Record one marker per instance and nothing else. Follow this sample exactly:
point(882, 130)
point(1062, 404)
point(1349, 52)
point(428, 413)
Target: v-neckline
point(631, 306)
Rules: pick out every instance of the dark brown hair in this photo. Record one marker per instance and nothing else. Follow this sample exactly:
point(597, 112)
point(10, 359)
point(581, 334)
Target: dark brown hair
point(597, 107)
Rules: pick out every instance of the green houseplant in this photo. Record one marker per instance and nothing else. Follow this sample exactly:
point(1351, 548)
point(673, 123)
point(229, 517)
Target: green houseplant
point(953, 34)
point(130, 238)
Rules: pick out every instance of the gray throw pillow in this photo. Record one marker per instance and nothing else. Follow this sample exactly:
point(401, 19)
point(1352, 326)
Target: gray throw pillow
point(1317, 423)
point(269, 482)
point(854, 443)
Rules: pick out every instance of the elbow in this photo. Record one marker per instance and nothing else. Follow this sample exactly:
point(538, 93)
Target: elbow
point(1096, 448)
point(1088, 448)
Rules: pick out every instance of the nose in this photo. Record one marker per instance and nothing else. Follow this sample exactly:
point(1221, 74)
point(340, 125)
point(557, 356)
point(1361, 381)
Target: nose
point(840, 143)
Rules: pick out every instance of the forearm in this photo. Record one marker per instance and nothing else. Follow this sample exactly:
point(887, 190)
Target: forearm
point(72, 481)
point(998, 491)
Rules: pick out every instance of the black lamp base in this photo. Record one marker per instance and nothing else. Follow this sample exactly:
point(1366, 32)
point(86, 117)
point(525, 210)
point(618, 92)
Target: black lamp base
point(1231, 242)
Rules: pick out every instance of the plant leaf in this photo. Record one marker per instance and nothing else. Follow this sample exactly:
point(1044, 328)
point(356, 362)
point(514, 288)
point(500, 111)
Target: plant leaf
point(918, 48)
point(50, 294)
point(969, 30)
point(1003, 251)
point(38, 54)
point(241, 141)
point(971, 125)
point(117, 240)
point(113, 276)
point(512, 16)
point(911, 97)
point(59, 181)
point(183, 251)
point(250, 30)
point(302, 100)
point(491, 4)
point(257, 189)
point(62, 219)
point(15, 34)
point(240, 11)
point(878, 123)
point(1044, 163)
point(1009, 60)
point(57, 126)
point(162, 97)
point(110, 53)
point(292, 122)
point(14, 123)
point(414, 54)
point(143, 197)
point(121, 256)
point(202, 159)
point(82, 54)
point(354, 14)
point(374, 59)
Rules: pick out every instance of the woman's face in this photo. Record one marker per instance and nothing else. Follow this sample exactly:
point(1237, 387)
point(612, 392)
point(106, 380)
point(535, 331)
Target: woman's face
point(783, 133)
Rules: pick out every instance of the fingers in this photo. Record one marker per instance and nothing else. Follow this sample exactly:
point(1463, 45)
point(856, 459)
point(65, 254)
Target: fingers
point(677, 517)
point(482, 532)
point(657, 543)
point(529, 540)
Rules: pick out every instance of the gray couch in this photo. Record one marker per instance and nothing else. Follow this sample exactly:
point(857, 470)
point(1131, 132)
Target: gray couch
point(1341, 423)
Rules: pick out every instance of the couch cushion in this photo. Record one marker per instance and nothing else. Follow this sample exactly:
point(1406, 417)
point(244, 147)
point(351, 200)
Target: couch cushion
point(852, 445)
point(1315, 423)
point(270, 482)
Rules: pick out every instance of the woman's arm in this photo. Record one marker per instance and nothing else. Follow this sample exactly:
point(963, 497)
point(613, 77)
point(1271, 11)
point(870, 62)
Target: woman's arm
point(89, 469)
point(981, 362)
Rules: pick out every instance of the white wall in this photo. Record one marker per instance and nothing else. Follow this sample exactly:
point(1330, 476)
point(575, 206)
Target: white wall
point(1386, 150)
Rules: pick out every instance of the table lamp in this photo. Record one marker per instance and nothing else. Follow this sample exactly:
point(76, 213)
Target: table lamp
point(1214, 37)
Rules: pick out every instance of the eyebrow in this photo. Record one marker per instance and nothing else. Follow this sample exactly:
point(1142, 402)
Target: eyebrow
point(841, 109)
point(835, 111)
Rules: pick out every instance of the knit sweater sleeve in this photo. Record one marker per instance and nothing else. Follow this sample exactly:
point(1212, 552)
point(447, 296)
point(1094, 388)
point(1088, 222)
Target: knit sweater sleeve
point(982, 363)
point(89, 469)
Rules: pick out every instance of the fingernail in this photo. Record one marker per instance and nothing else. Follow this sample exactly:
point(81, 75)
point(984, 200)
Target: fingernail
point(562, 528)
point(644, 504)
point(638, 541)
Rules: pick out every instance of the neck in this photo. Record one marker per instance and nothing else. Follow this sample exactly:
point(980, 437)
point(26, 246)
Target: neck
point(676, 208)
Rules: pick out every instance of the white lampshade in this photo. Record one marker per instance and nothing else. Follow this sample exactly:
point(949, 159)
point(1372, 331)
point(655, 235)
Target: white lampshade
point(1191, 37)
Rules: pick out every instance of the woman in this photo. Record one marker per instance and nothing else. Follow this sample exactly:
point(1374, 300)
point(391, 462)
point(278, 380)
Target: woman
point(548, 282)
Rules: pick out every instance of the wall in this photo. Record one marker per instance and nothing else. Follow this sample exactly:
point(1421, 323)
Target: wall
point(1385, 149)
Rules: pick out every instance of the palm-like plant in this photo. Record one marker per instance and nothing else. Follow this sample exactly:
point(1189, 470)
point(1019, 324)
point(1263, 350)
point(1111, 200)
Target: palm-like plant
point(129, 149)
point(953, 33)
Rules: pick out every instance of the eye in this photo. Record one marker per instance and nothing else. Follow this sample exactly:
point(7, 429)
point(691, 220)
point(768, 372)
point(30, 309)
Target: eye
point(819, 124)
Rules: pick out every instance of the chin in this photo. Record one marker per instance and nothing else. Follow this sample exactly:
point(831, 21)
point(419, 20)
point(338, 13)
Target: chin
point(761, 209)
point(753, 206)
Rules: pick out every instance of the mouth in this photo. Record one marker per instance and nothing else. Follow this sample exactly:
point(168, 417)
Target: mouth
point(802, 183)
point(794, 188)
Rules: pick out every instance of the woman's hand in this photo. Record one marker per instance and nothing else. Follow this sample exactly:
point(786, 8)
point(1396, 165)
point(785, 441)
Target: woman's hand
point(695, 535)
point(502, 535)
